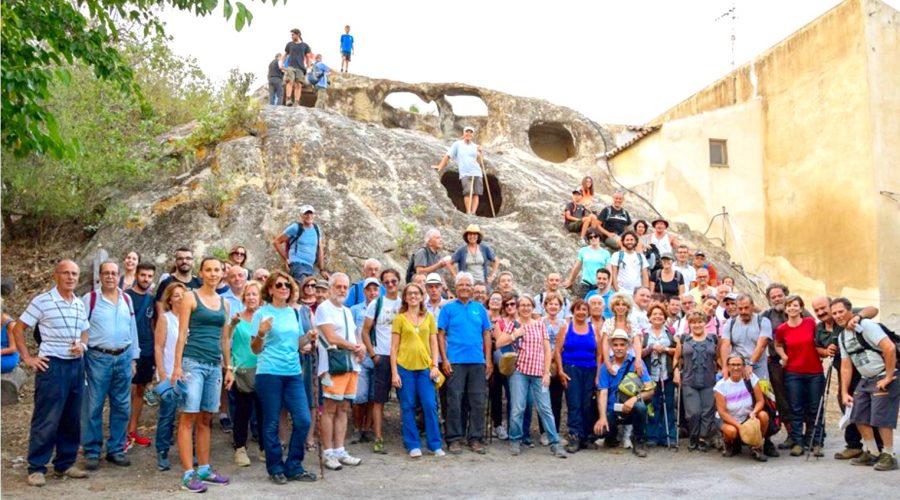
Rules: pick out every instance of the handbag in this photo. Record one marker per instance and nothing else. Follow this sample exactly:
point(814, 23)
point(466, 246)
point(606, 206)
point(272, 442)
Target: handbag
point(245, 380)
point(339, 360)
point(750, 433)
point(509, 359)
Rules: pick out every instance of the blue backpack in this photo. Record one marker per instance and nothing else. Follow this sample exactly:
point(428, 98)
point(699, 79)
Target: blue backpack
point(315, 74)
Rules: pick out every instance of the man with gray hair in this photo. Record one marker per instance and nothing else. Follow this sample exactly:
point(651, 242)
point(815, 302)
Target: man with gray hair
point(464, 333)
point(428, 259)
point(614, 220)
point(357, 295)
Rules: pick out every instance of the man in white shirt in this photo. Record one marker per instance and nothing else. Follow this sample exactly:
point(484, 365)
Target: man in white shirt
point(683, 266)
point(630, 269)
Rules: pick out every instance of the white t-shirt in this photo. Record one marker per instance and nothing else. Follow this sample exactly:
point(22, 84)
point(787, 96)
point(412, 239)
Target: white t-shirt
point(171, 340)
point(389, 309)
point(738, 400)
point(687, 272)
point(341, 319)
point(629, 273)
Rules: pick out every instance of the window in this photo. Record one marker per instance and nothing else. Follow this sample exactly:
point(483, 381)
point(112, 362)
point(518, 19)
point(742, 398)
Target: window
point(718, 153)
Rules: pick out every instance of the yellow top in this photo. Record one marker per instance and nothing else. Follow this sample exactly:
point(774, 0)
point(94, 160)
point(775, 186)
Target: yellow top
point(414, 353)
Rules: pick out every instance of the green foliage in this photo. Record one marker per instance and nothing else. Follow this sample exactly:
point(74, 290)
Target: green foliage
point(219, 253)
point(407, 239)
point(41, 39)
point(232, 113)
point(417, 210)
point(413, 108)
point(217, 192)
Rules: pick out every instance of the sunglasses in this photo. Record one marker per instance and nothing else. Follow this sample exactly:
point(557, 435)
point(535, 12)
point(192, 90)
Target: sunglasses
point(242, 254)
point(511, 304)
point(391, 282)
point(282, 284)
point(309, 285)
point(593, 237)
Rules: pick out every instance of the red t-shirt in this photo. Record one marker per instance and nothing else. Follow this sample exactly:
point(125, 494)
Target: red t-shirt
point(800, 345)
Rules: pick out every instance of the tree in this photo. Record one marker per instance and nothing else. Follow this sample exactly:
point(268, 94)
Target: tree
point(41, 38)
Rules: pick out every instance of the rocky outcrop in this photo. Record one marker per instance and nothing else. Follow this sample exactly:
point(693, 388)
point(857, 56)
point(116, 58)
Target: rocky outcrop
point(366, 168)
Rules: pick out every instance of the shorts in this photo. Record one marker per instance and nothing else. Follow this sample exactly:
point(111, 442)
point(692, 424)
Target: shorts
point(468, 185)
point(364, 387)
point(146, 366)
point(292, 74)
point(873, 408)
point(574, 226)
point(345, 55)
point(301, 271)
point(340, 387)
point(381, 380)
point(200, 388)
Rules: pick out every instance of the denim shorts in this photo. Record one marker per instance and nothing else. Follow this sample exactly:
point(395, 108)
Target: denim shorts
point(200, 388)
point(365, 389)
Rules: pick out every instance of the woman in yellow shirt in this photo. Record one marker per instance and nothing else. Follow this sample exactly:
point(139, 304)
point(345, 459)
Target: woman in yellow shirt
point(414, 369)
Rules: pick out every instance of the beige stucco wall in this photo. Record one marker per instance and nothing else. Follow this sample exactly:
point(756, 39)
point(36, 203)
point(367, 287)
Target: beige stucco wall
point(672, 167)
point(829, 142)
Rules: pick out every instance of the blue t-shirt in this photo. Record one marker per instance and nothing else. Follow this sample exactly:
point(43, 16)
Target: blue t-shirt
point(606, 312)
point(323, 81)
point(304, 250)
point(346, 43)
point(611, 382)
point(466, 156)
point(10, 361)
point(464, 325)
point(143, 306)
point(591, 261)
point(279, 355)
point(357, 294)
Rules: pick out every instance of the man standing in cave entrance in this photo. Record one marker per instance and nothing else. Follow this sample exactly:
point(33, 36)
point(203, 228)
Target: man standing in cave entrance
point(469, 157)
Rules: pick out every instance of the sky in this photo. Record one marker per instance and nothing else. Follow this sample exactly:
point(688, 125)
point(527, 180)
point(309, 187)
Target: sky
point(618, 62)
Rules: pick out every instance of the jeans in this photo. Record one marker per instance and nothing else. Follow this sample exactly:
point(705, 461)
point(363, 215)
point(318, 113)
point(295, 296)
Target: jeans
point(244, 404)
point(556, 394)
point(418, 388)
point(578, 400)
point(637, 418)
point(276, 91)
point(520, 386)
point(656, 425)
point(276, 392)
point(107, 377)
point(201, 387)
point(467, 382)
point(56, 418)
point(306, 371)
point(165, 426)
point(699, 410)
point(804, 393)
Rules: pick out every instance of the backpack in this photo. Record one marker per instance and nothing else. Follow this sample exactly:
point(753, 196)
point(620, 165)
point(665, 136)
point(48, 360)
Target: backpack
point(622, 258)
point(866, 346)
point(315, 74)
point(768, 407)
point(411, 267)
point(294, 239)
point(653, 258)
point(93, 301)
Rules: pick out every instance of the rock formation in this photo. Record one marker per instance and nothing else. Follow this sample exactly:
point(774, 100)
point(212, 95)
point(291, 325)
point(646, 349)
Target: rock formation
point(366, 168)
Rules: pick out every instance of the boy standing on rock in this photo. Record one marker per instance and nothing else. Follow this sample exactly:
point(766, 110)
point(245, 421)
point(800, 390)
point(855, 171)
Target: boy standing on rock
point(469, 156)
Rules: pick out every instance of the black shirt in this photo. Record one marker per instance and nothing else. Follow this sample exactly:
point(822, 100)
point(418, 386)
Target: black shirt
point(577, 211)
point(193, 284)
point(615, 220)
point(274, 69)
point(144, 308)
point(296, 52)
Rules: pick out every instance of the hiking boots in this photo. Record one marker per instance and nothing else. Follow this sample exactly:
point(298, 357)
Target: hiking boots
point(848, 453)
point(455, 448)
point(37, 479)
point(817, 451)
point(758, 455)
point(76, 473)
point(574, 444)
point(240, 457)
point(886, 462)
point(558, 452)
point(864, 458)
point(796, 450)
point(769, 449)
point(478, 447)
point(732, 449)
point(640, 450)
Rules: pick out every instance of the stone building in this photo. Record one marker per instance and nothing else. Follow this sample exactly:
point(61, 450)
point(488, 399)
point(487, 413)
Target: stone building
point(801, 147)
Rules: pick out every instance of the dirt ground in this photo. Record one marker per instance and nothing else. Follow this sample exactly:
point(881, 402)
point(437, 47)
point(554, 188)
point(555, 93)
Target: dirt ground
point(534, 474)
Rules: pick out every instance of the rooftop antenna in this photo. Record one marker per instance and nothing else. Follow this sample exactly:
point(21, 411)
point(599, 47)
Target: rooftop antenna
point(732, 14)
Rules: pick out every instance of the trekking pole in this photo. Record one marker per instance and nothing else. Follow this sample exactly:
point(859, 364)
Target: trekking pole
point(318, 417)
point(487, 187)
point(677, 414)
point(488, 430)
point(662, 384)
point(817, 426)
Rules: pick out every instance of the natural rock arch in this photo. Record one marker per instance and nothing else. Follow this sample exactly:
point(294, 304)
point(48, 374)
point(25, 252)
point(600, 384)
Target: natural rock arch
point(450, 181)
point(551, 141)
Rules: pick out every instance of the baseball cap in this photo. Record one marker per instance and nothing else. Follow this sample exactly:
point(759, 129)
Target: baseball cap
point(322, 284)
point(666, 255)
point(468, 128)
point(307, 208)
point(434, 278)
point(576, 191)
point(371, 281)
point(699, 253)
point(731, 296)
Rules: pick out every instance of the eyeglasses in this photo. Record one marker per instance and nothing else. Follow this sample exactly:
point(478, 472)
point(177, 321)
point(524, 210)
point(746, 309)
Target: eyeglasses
point(413, 293)
point(109, 273)
point(511, 304)
point(593, 237)
point(309, 285)
point(391, 282)
point(242, 254)
point(282, 284)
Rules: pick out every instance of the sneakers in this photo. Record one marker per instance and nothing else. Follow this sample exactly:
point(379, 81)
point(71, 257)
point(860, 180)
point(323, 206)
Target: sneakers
point(162, 461)
point(769, 449)
point(758, 455)
point(193, 484)
point(501, 433)
point(796, 450)
point(378, 447)
point(348, 459)
point(278, 479)
point(37, 479)
point(514, 449)
point(640, 450)
point(455, 448)
point(574, 444)
point(118, 459)
point(886, 462)
point(702, 445)
point(261, 455)
point(225, 423)
point(864, 458)
point(626, 436)
point(151, 398)
point(211, 477)
point(415, 453)
point(439, 453)
point(137, 440)
point(73, 472)
point(478, 447)
point(545, 440)
point(304, 477)
point(332, 463)
point(91, 463)
point(558, 451)
point(848, 453)
point(240, 457)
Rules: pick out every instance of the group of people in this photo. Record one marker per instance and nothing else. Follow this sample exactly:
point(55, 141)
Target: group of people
point(642, 352)
point(298, 66)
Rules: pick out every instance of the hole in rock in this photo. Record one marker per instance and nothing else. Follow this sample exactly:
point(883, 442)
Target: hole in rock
point(450, 180)
point(551, 141)
point(411, 103)
point(467, 105)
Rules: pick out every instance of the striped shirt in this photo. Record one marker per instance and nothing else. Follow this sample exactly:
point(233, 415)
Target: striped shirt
point(61, 322)
point(531, 349)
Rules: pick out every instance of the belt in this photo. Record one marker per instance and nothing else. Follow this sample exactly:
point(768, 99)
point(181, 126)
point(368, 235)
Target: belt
point(111, 352)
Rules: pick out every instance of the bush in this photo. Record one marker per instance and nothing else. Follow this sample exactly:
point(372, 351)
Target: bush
point(232, 113)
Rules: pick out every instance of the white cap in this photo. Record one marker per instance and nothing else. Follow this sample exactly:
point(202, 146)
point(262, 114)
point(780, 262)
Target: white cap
point(307, 208)
point(434, 278)
point(371, 281)
point(469, 127)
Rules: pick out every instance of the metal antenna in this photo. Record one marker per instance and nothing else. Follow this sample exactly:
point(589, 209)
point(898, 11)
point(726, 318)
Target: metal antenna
point(732, 14)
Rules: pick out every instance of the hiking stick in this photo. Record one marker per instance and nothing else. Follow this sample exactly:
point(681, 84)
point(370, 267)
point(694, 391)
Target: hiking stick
point(487, 188)
point(677, 414)
point(487, 413)
point(471, 196)
point(315, 401)
point(820, 412)
point(665, 412)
